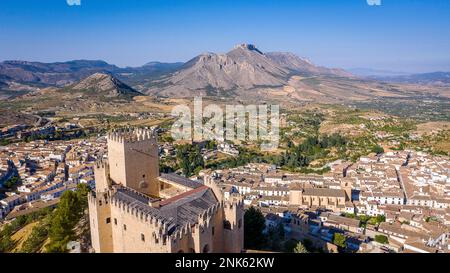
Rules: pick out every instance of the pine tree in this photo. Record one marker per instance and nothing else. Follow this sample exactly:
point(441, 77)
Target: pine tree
point(254, 223)
point(300, 248)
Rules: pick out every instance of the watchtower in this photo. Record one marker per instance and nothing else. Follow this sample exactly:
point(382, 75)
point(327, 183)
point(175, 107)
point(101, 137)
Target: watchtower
point(133, 160)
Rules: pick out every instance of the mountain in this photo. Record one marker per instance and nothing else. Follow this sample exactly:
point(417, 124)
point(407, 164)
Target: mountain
point(300, 65)
point(244, 67)
point(244, 73)
point(157, 66)
point(139, 76)
point(369, 72)
point(433, 78)
point(96, 93)
point(55, 74)
point(26, 76)
point(3, 94)
point(100, 84)
point(14, 117)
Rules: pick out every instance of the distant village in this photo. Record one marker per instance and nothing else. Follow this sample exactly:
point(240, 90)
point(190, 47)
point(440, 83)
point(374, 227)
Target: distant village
point(407, 192)
point(45, 170)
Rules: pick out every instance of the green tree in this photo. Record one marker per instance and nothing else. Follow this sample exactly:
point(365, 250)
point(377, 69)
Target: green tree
point(300, 248)
point(82, 192)
point(254, 223)
point(6, 243)
point(211, 145)
point(11, 182)
point(59, 134)
point(289, 245)
point(381, 219)
point(339, 240)
point(65, 217)
point(280, 231)
point(275, 237)
point(377, 220)
point(382, 239)
point(378, 149)
point(4, 142)
point(37, 237)
point(309, 245)
point(190, 159)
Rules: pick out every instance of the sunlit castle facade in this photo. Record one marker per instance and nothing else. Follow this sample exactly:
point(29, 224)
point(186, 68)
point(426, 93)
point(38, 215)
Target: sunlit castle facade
point(135, 209)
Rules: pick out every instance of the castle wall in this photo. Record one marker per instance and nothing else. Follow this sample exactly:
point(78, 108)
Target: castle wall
point(101, 175)
point(128, 227)
point(218, 239)
point(132, 232)
point(202, 234)
point(116, 159)
point(232, 240)
point(117, 227)
point(99, 213)
point(93, 219)
point(234, 237)
point(142, 167)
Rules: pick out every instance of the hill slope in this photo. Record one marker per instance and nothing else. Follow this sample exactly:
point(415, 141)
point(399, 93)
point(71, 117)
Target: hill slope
point(105, 85)
point(243, 67)
point(92, 94)
point(301, 65)
point(29, 76)
point(58, 74)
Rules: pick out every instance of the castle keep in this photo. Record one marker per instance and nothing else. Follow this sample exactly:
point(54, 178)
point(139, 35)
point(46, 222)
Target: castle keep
point(135, 209)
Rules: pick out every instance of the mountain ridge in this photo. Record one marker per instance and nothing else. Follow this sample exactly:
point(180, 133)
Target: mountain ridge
point(298, 64)
point(243, 72)
point(106, 85)
point(52, 74)
point(244, 67)
point(432, 78)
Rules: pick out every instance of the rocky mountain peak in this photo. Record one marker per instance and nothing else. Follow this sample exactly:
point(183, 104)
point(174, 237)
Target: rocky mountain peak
point(105, 84)
point(250, 47)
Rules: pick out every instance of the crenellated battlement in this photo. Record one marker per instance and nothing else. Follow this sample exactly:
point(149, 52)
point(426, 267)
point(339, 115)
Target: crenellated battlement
point(141, 212)
point(101, 164)
point(235, 199)
point(133, 159)
point(154, 218)
point(127, 192)
point(132, 135)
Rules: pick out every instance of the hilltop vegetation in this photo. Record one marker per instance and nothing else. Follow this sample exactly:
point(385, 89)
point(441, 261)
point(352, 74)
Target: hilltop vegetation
point(52, 229)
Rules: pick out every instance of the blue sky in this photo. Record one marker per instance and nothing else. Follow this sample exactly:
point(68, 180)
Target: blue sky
point(399, 35)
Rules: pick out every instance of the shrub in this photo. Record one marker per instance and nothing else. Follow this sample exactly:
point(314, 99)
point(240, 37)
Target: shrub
point(381, 239)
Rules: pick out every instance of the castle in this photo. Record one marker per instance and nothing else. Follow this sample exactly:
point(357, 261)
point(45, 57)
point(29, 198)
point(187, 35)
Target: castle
point(135, 209)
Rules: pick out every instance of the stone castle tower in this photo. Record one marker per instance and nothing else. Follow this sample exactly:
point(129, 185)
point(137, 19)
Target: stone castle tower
point(133, 157)
point(135, 209)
